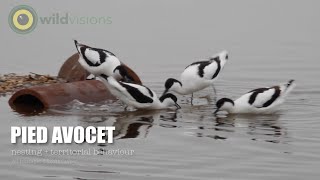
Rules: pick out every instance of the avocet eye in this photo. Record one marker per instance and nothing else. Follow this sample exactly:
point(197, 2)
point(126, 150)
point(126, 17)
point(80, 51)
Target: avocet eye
point(227, 56)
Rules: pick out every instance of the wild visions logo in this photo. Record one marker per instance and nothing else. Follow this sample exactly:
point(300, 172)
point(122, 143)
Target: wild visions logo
point(23, 19)
point(68, 19)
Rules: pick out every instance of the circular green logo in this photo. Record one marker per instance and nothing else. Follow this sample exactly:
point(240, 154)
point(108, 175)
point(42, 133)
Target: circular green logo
point(23, 19)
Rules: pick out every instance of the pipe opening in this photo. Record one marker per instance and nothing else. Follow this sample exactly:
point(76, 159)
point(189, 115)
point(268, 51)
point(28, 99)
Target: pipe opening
point(28, 104)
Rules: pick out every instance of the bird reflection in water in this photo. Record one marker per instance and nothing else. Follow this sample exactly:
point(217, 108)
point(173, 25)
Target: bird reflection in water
point(137, 124)
point(127, 125)
point(168, 120)
point(261, 127)
point(133, 124)
point(218, 127)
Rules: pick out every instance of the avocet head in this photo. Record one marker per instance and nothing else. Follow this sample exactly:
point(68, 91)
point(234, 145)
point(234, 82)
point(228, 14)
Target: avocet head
point(171, 85)
point(291, 83)
point(223, 56)
point(120, 72)
point(288, 87)
point(169, 100)
point(224, 104)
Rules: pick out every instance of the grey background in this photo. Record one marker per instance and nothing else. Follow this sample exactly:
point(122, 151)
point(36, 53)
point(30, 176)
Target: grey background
point(147, 32)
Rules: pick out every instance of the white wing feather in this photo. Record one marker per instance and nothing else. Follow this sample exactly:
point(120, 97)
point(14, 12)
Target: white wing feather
point(92, 55)
point(210, 70)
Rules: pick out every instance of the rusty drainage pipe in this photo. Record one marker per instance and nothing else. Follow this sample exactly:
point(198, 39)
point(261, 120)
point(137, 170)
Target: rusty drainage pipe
point(39, 98)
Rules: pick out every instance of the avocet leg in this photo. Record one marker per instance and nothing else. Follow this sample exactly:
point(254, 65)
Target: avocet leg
point(192, 99)
point(215, 93)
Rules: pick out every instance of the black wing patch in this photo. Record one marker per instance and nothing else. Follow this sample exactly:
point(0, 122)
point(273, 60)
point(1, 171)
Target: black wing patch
point(256, 92)
point(201, 67)
point(274, 96)
point(196, 63)
point(137, 95)
point(102, 56)
point(203, 64)
point(98, 49)
point(150, 92)
point(217, 60)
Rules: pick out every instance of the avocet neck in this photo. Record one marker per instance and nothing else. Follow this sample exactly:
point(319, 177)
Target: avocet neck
point(181, 90)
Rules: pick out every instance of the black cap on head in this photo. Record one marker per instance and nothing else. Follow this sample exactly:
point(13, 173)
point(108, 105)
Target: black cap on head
point(121, 70)
point(222, 101)
point(170, 82)
point(124, 73)
point(169, 95)
point(290, 82)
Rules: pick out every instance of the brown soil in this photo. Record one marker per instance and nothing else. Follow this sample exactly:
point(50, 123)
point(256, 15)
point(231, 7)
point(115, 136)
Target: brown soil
point(12, 82)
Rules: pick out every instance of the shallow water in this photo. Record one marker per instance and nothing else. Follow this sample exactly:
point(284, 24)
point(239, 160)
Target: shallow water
point(268, 42)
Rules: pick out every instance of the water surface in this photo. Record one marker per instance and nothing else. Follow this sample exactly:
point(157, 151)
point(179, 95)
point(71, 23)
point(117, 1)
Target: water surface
point(268, 43)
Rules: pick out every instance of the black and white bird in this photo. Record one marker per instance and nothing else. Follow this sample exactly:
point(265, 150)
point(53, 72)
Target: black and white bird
point(100, 61)
point(258, 101)
point(198, 75)
point(138, 96)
